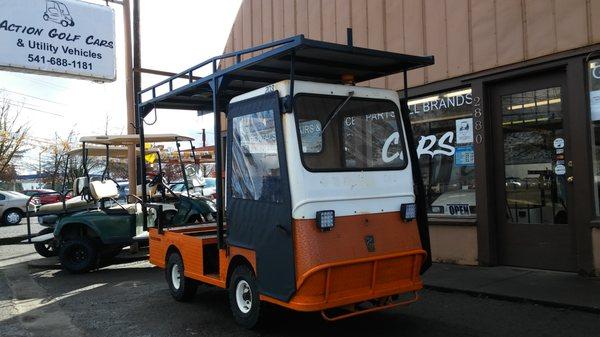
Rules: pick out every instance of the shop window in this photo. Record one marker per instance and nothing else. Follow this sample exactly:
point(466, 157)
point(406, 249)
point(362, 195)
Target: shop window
point(443, 128)
point(255, 163)
point(594, 91)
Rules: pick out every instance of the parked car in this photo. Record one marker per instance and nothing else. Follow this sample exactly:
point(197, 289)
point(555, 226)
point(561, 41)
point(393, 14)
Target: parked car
point(123, 187)
point(210, 187)
point(12, 207)
point(44, 197)
point(207, 190)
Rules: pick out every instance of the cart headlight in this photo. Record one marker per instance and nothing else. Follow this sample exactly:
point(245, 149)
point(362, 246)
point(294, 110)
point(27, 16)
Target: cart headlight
point(408, 212)
point(325, 220)
point(437, 209)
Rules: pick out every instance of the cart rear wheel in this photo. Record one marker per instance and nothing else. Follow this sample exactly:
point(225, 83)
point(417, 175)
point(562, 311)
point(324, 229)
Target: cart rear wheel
point(244, 297)
point(46, 248)
point(182, 288)
point(78, 255)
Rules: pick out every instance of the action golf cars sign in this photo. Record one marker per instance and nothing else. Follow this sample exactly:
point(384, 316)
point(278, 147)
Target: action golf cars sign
point(64, 38)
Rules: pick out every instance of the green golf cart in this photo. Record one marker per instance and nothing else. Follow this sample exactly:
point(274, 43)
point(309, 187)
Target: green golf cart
point(87, 237)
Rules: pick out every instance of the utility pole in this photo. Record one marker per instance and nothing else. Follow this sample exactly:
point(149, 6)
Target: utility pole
point(130, 94)
point(137, 58)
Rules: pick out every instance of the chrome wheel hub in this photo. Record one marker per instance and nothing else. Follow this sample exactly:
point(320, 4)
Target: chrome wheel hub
point(243, 296)
point(176, 277)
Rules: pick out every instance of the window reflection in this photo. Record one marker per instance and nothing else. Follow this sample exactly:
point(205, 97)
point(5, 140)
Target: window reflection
point(594, 88)
point(443, 128)
point(533, 164)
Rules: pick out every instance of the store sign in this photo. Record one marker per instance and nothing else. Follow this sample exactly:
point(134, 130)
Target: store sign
point(435, 103)
point(432, 146)
point(64, 38)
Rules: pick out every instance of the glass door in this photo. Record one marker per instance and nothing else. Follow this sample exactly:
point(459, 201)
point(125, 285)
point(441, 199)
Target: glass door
point(533, 173)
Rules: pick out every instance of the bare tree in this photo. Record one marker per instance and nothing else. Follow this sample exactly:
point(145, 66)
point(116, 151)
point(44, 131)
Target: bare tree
point(13, 134)
point(53, 166)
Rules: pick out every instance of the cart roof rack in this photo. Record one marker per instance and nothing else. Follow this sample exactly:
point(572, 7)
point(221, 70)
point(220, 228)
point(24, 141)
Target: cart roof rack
point(295, 57)
point(119, 152)
point(134, 139)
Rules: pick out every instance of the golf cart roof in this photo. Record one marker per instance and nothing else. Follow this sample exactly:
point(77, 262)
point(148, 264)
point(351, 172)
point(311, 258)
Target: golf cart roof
point(134, 139)
point(309, 60)
point(113, 152)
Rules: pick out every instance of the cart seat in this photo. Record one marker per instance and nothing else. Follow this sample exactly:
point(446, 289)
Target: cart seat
point(150, 190)
point(104, 190)
point(108, 190)
point(74, 203)
point(80, 185)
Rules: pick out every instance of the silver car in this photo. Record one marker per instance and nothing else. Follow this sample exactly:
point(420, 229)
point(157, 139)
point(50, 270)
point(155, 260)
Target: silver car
point(12, 207)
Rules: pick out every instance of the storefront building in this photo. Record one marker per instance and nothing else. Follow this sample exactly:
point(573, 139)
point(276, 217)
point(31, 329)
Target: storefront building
point(507, 121)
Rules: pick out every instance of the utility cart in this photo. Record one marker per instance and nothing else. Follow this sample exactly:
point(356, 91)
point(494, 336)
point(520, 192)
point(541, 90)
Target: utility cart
point(176, 208)
point(79, 200)
point(84, 237)
point(325, 208)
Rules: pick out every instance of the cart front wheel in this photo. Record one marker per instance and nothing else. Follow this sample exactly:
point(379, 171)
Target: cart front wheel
point(244, 298)
point(78, 255)
point(182, 288)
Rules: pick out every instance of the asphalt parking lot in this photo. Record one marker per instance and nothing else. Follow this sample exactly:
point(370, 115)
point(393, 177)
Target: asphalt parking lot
point(130, 298)
point(10, 234)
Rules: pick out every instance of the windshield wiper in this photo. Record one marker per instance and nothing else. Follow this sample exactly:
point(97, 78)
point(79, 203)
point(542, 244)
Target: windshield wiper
point(335, 112)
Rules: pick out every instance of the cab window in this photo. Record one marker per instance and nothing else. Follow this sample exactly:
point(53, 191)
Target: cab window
point(255, 173)
point(337, 133)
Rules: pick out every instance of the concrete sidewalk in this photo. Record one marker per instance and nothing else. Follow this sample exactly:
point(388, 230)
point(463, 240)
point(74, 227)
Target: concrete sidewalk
point(552, 288)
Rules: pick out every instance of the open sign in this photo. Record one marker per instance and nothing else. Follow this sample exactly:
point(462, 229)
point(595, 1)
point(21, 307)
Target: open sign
point(459, 209)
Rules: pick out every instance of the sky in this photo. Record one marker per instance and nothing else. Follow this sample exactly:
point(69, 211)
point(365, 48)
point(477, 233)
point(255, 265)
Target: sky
point(175, 35)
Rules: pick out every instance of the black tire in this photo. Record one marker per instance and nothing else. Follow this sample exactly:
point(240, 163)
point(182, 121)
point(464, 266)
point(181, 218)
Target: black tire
point(182, 288)
point(64, 23)
point(47, 248)
point(46, 17)
point(246, 310)
point(12, 217)
point(78, 255)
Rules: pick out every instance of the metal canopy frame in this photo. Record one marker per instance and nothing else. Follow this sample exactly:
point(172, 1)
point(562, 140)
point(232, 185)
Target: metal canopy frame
point(287, 59)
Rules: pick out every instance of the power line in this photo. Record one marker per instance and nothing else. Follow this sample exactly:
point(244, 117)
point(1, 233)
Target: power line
point(28, 106)
point(43, 111)
point(24, 104)
point(31, 96)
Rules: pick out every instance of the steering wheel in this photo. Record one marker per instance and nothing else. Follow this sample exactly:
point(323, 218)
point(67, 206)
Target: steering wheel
point(157, 179)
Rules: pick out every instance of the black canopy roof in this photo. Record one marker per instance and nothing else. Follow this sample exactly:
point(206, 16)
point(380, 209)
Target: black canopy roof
point(311, 60)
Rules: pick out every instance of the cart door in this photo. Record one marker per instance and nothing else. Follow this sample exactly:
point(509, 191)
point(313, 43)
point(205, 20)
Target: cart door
point(258, 196)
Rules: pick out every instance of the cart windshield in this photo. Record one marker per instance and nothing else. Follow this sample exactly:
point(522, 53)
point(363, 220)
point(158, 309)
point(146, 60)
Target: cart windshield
point(342, 133)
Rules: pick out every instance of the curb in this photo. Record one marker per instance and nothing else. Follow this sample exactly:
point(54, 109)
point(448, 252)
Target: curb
point(593, 310)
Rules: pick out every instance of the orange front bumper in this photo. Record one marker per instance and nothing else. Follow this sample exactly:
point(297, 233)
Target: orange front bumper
point(343, 283)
